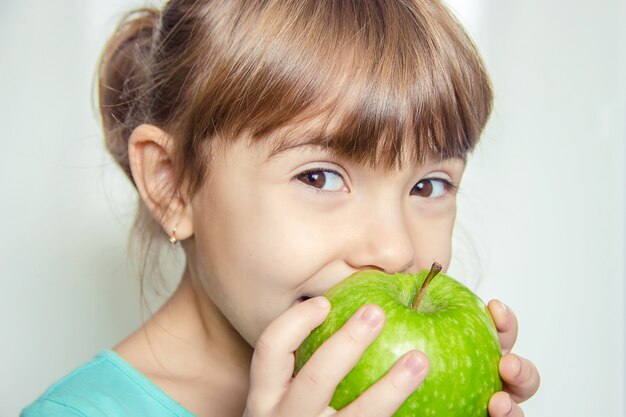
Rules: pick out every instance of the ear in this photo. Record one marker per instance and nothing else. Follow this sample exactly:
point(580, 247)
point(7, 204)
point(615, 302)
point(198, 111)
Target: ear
point(150, 152)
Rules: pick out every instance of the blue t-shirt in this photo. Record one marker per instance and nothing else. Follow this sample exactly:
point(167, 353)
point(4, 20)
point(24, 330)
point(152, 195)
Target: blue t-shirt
point(106, 386)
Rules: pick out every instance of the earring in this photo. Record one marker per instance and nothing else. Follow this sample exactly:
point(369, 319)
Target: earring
point(173, 239)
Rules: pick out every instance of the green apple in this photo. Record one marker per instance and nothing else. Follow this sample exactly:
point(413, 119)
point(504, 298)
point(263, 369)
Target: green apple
point(440, 317)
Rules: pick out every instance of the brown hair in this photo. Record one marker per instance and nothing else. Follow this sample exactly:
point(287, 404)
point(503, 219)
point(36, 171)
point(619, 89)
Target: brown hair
point(388, 77)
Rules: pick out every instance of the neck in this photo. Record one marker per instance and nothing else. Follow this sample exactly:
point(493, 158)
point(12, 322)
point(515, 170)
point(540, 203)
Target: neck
point(204, 327)
point(192, 352)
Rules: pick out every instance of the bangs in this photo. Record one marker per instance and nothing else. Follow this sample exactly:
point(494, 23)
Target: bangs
point(381, 127)
point(385, 79)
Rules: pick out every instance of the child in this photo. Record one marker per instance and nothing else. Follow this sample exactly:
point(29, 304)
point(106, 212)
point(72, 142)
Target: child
point(284, 144)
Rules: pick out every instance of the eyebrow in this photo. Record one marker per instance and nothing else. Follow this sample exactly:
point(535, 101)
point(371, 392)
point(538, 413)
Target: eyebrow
point(286, 146)
point(288, 140)
point(285, 143)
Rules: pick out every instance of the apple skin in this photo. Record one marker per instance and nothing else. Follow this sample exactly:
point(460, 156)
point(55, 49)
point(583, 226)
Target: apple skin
point(451, 325)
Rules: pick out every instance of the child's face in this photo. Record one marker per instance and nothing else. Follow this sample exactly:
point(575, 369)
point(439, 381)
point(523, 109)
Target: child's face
point(267, 234)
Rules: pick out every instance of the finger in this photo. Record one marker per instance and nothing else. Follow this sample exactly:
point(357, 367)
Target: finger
point(506, 324)
point(520, 376)
point(387, 395)
point(501, 405)
point(314, 385)
point(272, 362)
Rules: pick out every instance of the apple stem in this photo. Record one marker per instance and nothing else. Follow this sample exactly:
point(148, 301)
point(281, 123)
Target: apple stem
point(434, 270)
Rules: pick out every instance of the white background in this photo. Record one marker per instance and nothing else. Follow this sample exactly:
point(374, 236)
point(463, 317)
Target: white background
point(541, 210)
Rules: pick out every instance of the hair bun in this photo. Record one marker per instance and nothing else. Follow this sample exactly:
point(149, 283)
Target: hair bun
point(122, 76)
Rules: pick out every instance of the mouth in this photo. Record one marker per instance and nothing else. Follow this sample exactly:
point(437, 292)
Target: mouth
point(302, 299)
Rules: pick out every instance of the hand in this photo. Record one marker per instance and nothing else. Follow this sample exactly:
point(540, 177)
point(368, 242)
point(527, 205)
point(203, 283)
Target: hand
point(520, 376)
point(274, 392)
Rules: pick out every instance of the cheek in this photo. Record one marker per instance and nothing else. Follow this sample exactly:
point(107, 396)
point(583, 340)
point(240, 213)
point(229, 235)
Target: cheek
point(255, 259)
point(432, 239)
point(286, 249)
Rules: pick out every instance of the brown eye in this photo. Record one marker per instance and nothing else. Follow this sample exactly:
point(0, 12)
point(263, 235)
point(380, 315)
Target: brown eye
point(315, 179)
point(322, 179)
point(432, 188)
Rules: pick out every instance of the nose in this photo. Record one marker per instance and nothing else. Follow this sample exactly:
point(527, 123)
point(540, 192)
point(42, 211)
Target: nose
point(382, 242)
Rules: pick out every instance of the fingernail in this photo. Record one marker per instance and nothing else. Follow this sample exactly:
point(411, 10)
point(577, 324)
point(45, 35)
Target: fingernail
point(503, 309)
point(510, 406)
point(320, 302)
point(372, 316)
point(517, 366)
point(414, 363)
point(329, 411)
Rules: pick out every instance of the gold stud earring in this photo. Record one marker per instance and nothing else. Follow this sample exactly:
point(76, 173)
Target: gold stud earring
point(173, 239)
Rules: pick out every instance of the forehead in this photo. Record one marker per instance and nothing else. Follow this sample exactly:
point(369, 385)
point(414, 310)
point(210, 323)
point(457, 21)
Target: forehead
point(329, 135)
point(382, 127)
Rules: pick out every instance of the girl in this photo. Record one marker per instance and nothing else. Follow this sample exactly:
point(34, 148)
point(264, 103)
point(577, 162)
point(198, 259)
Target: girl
point(284, 144)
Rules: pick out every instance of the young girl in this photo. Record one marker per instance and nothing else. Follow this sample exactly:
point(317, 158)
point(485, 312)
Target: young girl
point(284, 145)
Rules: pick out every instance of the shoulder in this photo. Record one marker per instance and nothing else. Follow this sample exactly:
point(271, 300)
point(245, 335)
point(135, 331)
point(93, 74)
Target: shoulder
point(104, 387)
point(49, 408)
